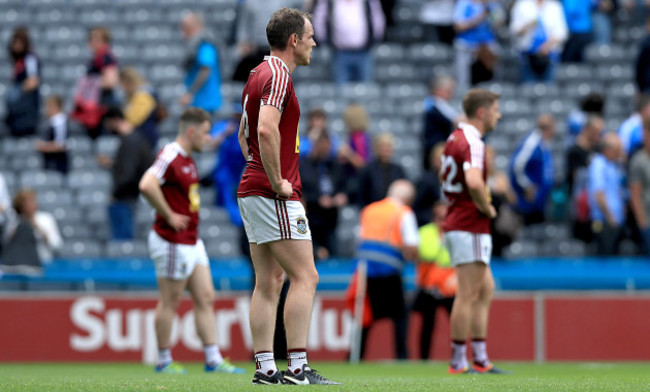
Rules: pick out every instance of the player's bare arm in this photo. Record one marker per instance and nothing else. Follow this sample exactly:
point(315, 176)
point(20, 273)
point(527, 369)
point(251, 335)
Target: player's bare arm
point(476, 188)
point(150, 188)
point(241, 136)
point(268, 132)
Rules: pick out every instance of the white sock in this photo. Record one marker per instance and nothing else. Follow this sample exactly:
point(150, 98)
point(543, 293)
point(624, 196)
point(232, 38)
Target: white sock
point(459, 355)
point(480, 351)
point(164, 357)
point(296, 360)
point(265, 363)
point(212, 354)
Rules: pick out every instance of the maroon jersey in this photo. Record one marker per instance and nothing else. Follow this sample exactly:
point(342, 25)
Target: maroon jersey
point(179, 180)
point(270, 84)
point(464, 150)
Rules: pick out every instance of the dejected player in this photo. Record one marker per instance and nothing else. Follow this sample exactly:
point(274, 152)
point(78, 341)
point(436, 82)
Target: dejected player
point(171, 185)
point(269, 201)
point(467, 229)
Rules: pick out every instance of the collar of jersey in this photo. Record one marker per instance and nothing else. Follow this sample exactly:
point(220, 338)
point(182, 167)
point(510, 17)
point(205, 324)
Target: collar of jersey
point(469, 128)
point(279, 59)
point(179, 149)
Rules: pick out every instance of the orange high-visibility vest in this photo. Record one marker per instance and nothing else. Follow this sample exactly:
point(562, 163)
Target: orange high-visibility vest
point(381, 233)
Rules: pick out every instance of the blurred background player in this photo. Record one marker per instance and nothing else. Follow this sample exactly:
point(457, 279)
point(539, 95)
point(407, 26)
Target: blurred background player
point(269, 201)
point(467, 229)
point(436, 279)
point(171, 186)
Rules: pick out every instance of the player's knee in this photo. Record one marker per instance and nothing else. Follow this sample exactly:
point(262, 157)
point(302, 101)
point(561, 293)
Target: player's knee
point(309, 277)
point(172, 302)
point(205, 298)
point(270, 285)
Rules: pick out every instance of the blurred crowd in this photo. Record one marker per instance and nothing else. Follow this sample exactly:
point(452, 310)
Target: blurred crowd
point(607, 187)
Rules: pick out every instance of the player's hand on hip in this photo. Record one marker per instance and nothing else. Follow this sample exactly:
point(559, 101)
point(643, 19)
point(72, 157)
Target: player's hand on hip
point(492, 212)
point(284, 189)
point(178, 222)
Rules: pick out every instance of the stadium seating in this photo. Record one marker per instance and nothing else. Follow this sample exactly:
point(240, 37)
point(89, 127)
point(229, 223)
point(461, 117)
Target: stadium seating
point(145, 35)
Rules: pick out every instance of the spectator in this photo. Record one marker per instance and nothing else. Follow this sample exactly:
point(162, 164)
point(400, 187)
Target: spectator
point(475, 44)
point(351, 27)
point(5, 207)
point(531, 170)
point(436, 279)
point(377, 176)
point(229, 165)
point(95, 92)
point(592, 104)
point(642, 75)
point(141, 106)
point(639, 183)
point(428, 187)
point(53, 148)
point(603, 12)
point(578, 160)
point(316, 127)
point(323, 188)
point(133, 157)
point(440, 117)
point(539, 29)
point(630, 132)
point(578, 18)
point(505, 226)
point(605, 192)
point(33, 237)
point(437, 17)
point(23, 96)
point(251, 41)
point(203, 80)
point(356, 153)
point(388, 237)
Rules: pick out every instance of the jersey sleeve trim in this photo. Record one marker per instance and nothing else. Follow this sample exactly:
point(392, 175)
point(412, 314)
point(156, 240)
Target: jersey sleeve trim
point(159, 167)
point(279, 85)
point(476, 150)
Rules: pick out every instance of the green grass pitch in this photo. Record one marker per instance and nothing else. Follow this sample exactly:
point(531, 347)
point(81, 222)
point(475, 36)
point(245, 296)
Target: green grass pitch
point(401, 377)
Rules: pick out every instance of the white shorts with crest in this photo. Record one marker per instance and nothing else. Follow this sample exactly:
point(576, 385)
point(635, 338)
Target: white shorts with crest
point(176, 261)
point(268, 220)
point(465, 247)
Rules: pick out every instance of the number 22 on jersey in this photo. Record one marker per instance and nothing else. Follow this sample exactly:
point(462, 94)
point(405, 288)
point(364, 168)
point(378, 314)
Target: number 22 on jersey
point(449, 171)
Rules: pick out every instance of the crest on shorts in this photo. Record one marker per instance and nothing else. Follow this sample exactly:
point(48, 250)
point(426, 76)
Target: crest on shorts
point(183, 268)
point(301, 223)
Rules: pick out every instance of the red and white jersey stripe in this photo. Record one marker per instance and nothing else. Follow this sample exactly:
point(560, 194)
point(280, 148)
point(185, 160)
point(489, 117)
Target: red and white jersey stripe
point(279, 82)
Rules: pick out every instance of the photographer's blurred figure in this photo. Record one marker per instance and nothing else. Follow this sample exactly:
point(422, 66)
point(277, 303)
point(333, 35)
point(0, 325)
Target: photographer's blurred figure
point(31, 238)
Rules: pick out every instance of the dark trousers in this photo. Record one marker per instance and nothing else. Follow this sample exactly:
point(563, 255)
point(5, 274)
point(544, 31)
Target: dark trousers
point(608, 240)
point(574, 48)
point(386, 298)
point(427, 305)
point(120, 214)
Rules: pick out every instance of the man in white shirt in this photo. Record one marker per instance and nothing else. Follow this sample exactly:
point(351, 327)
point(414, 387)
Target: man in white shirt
point(45, 230)
point(540, 30)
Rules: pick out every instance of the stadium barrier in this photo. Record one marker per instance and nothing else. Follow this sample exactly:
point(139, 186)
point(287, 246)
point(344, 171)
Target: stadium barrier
point(538, 326)
point(614, 273)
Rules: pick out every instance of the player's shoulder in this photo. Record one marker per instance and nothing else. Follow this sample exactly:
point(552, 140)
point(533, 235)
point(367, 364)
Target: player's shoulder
point(169, 152)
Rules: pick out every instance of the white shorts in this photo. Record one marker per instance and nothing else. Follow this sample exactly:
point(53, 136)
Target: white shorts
point(176, 261)
point(268, 220)
point(465, 247)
